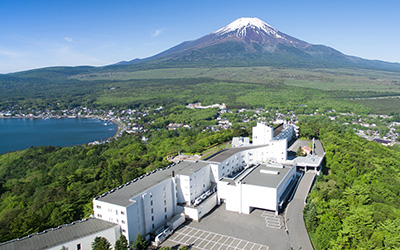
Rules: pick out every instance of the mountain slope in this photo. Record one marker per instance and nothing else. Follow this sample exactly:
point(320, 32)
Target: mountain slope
point(252, 42)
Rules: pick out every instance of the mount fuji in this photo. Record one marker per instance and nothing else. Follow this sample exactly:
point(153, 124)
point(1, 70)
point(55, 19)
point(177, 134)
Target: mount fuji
point(252, 42)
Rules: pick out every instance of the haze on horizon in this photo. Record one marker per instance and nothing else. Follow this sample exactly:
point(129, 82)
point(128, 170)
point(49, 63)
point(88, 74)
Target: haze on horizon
point(47, 33)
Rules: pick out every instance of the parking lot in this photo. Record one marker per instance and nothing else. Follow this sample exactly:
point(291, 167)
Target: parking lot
point(223, 229)
point(205, 240)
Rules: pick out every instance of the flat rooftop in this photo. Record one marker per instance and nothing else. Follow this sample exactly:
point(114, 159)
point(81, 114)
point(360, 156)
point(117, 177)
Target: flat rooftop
point(226, 153)
point(122, 195)
point(57, 236)
point(309, 161)
point(265, 175)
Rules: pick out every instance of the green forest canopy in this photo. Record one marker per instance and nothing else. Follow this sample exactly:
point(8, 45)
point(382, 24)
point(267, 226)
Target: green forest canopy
point(357, 204)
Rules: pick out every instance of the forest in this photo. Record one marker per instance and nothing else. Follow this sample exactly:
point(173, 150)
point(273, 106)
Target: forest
point(356, 203)
point(43, 187)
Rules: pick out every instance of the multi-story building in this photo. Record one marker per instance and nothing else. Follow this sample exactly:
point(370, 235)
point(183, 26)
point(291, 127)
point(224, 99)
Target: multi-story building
point(147, 204)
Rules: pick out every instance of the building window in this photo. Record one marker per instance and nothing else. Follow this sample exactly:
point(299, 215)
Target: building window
point(122, 221)
point(164, 187)
point(78, 247)
point(165, 209)
point(122, 212)
point(152, 210)
point(165, 202)
point(152, 218)
point(98, 206)
point(116, 211)
point(165, 216)
point(123, 230)
point(151, 203)
point(99, 215)
point(152, 226)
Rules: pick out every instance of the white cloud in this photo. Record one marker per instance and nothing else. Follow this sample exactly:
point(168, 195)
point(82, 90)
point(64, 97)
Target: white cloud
point(10, 53)
point(68, 39)
point(157, 33)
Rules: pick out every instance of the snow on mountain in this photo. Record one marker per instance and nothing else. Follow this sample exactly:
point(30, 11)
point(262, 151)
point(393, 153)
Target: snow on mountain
point(239, 27)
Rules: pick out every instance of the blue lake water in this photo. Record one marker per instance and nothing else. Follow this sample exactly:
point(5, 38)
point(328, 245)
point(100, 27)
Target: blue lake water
point(18, 134)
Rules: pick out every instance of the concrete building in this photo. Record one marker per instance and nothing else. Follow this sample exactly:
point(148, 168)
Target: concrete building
point(264, 186)
point(246, 177)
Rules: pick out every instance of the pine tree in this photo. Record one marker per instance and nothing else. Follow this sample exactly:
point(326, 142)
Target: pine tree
point(121, 243)
point(101, 243)
point(140, 243)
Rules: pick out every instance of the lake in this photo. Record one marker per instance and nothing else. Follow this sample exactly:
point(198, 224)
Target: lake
point(18, 134)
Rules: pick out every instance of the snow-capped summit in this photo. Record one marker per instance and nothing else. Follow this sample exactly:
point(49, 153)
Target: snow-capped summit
point(240, 26)
point(250, 41)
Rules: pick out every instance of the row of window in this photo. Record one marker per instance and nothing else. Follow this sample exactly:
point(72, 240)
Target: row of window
point(110, 210)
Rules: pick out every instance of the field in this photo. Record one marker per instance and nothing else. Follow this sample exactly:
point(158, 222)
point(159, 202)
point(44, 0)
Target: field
point(324, 79)
point(303, 90)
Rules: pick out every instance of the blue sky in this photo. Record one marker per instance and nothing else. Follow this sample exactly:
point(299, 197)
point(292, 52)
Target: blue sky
point(41, 33)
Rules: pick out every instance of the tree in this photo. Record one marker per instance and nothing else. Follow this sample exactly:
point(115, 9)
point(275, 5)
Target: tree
point(299, 152)
point(64, 248)
point(101, 243)
point(140, 243)
point(121, 243)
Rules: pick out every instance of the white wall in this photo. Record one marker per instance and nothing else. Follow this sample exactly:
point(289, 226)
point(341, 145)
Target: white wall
point(279, 150)
point(155, 206)
point(262, 134)
point(199, 182)
point(196, 213)
point(111, 212)
point(230, 194)
point(258, 197)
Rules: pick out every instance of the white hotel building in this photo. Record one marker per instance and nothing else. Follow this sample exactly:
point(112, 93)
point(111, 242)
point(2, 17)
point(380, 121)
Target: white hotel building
point(247, 177)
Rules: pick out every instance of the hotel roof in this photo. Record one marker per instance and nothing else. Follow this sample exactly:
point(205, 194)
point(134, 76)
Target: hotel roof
point(57, 236)
point(265, 175)
point(225, 154)
point(121, 196)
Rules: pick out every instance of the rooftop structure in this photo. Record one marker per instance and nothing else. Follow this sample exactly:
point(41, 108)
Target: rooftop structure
point(122, 195)
point(222, 155)
point(77, 235)
point(267, 175)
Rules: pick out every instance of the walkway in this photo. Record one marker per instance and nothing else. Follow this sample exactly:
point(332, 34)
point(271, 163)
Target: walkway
point(298, 235)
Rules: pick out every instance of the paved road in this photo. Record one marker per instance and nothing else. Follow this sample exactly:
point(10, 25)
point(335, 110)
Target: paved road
point(298, 235)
